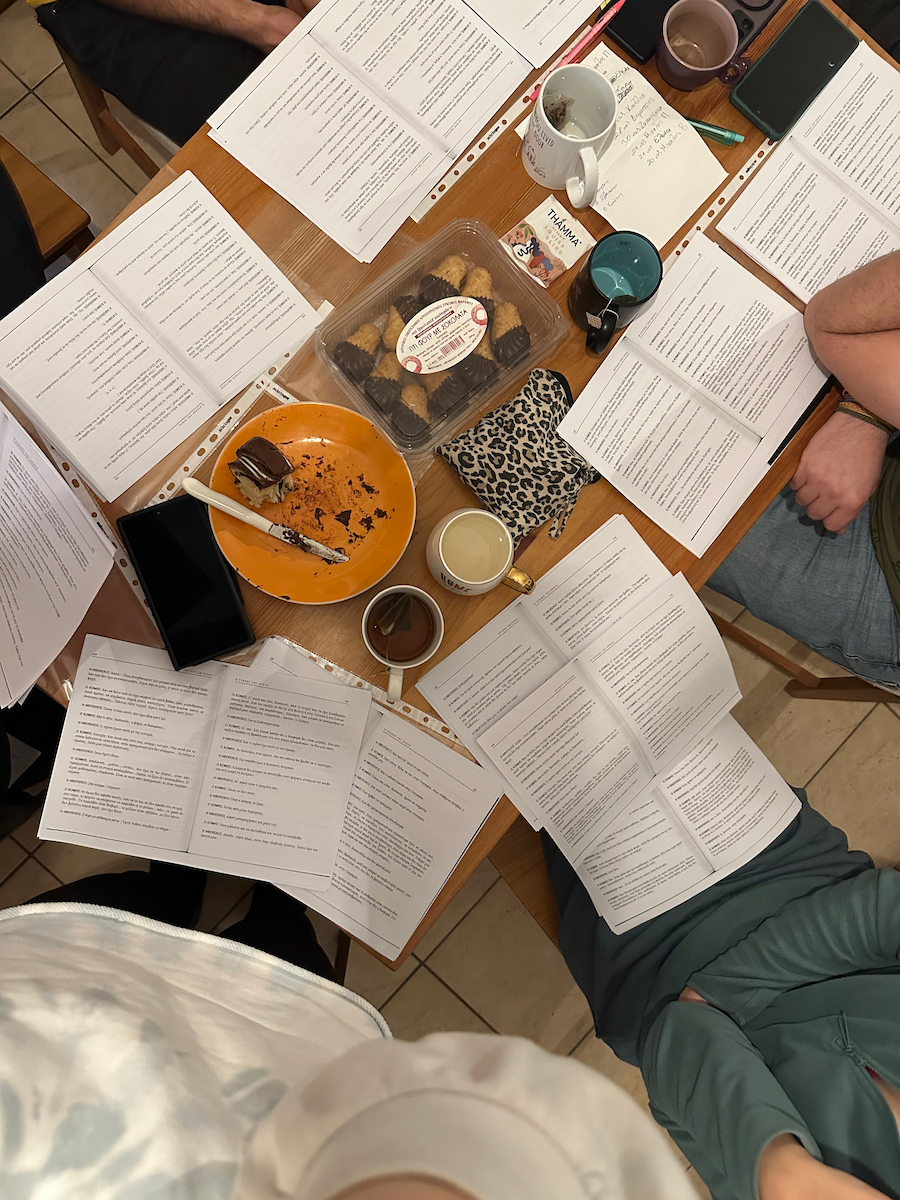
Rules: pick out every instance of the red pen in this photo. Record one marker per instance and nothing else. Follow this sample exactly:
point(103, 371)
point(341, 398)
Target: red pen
point(591, 35)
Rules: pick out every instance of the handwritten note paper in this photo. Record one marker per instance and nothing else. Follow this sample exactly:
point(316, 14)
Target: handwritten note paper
point(658, 170)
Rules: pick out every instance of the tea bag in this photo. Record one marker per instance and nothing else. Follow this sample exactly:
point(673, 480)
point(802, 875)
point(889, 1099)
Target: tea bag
point(556, 108)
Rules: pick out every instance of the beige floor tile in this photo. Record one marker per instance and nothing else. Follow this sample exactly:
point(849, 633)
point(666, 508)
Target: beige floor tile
point(69, 863)
point(699, 1186)
point(371, 979)
point(857, 789)
point(30, 880)
point(798, 736)
point(423, 1005)
point(11, 856)
point(220, 896)
point(40, 135)
point(26, 835)
point(11, 89)
point(29, 51)
point(481, 881)
point(58, 93)
point(719, 604)
point(503, 965)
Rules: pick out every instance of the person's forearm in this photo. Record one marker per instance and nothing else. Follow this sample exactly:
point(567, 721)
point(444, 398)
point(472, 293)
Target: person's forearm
point(854, 329)
point(865, 301)
point(234, 18)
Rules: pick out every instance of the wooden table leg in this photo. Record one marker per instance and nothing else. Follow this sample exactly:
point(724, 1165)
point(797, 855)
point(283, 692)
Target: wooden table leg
point(846, 687)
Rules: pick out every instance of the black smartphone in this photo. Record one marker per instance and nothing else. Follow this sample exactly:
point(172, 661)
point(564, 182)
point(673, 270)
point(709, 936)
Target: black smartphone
point(780, 87)
point(638, 27)
point(191, 588)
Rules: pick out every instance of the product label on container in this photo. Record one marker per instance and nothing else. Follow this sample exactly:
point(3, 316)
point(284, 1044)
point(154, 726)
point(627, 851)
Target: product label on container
point(547, 242)
point(442, 335)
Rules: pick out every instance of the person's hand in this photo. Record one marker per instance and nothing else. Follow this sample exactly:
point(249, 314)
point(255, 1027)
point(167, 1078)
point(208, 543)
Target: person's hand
point(270, 26)
point(839, 470)
point(301, 6)
point(787, 1172)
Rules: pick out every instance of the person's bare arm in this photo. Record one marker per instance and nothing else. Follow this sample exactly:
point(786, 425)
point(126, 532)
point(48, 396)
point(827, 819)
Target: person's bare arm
point(854, 328)
point(787, 1172)
point(261, 25)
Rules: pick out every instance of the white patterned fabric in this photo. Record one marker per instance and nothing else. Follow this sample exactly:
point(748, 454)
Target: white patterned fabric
point(143, 1062)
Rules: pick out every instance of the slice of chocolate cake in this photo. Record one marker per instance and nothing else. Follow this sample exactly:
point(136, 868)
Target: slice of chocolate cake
point(261, 472)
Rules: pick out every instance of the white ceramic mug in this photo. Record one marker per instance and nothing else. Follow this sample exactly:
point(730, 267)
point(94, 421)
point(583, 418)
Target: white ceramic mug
point(470, 551)
point(568, 157)
point(395, 670)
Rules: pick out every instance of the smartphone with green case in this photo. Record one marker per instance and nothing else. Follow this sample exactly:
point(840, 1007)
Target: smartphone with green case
point(783, 83)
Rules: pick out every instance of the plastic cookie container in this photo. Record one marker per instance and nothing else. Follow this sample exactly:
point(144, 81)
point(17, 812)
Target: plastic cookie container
point(439, 335)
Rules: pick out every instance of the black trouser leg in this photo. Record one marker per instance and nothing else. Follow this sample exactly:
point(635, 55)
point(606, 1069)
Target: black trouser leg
point(168, 893)
point(880, 19)
point(171, 77)
point(278, 925)
point(21, 269)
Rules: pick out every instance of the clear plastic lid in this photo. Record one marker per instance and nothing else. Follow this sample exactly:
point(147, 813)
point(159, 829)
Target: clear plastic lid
point(439, 335)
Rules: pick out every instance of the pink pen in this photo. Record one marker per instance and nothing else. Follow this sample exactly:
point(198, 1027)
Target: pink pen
point(592, 34)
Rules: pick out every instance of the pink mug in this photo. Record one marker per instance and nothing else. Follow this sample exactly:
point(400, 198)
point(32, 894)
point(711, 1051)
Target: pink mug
point(698, 43)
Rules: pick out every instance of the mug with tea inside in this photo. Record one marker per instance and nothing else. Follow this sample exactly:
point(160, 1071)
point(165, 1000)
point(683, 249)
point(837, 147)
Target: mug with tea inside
point(402, 627)
point(470, 551)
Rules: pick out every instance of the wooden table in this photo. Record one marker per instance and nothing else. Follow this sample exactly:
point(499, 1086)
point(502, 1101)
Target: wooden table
point(498, 192)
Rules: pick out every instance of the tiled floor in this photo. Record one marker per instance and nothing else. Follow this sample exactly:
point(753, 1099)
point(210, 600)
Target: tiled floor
point(485, 965)
point(42, 116)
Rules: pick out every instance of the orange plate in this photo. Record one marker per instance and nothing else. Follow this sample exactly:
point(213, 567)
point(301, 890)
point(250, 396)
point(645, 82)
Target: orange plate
point(342, 465)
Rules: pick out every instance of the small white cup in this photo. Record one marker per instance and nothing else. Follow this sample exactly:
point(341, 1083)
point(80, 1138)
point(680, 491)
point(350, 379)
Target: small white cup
point(395, 677)
point(470, 551)
point(568, 157)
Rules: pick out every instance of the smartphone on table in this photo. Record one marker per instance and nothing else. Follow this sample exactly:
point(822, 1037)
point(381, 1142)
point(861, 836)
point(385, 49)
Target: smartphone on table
point(190, 587)
point(806, 55)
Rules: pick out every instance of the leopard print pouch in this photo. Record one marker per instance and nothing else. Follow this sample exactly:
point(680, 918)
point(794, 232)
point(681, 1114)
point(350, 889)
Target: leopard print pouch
point(516, 462)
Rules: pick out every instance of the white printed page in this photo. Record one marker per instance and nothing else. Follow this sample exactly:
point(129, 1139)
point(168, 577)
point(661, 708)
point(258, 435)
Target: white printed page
point(722, 331)
point(281, 762)
point(567, 751)
point(730, 797)
point(658, 170)
point(606, 575)
point(133, 749)
point(853, 129)
point(359, 167)
point(828, 199)
point(593, 585)
point(53, 561)
point(188, 272)
point(719, 807)
point(539, 27)
point(665, 668)
point(415, 806)
point(661, 444)
point(641, 865)
point(95, 382)
point(436, 61)
point(803, 226)
point(487, 676)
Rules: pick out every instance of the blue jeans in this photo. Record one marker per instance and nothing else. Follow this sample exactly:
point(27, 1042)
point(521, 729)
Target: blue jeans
point(825, 591)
